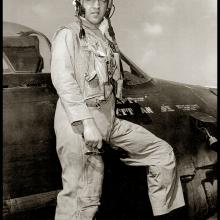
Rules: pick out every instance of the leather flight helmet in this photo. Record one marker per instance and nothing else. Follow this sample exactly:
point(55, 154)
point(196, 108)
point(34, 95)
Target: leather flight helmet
point(81, 11)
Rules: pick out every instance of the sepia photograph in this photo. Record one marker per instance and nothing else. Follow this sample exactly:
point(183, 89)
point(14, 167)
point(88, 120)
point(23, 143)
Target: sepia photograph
point(109, 110)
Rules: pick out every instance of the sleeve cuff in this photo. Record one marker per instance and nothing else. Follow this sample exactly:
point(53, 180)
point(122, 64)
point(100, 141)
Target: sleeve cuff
point(77, 113)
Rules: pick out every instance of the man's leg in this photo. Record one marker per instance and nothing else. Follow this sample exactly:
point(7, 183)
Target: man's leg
point(82, 177)
point(145, 149)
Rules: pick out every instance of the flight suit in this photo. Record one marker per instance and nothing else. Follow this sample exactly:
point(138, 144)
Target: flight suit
point(82, 72)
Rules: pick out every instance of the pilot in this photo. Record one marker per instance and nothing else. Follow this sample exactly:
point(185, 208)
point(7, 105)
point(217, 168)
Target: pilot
point(85, 70)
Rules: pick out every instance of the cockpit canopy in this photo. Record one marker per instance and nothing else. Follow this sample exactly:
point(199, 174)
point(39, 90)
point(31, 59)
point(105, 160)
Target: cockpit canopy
point(24, 50)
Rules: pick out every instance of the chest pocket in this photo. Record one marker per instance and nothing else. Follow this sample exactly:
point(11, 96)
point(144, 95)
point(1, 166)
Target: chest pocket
point(95, 72)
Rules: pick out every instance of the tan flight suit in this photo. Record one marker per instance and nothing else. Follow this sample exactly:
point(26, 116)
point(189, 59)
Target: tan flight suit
point(81, 72)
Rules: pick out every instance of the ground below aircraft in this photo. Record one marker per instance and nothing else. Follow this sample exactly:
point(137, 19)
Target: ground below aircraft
point(183, 115)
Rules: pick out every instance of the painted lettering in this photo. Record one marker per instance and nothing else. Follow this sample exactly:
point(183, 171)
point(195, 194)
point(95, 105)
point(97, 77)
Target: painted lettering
point(166, 108)
point(124, 111)
point(136, 99)
point(146, 110)
point(187, 107)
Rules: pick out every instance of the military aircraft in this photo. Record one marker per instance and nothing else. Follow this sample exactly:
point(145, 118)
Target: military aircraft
point(183, 115)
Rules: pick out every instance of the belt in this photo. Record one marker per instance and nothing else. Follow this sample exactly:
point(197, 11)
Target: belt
point(96, 102)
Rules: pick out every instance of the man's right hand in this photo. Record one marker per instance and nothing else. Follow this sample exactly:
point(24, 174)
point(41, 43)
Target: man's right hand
point(92, 136)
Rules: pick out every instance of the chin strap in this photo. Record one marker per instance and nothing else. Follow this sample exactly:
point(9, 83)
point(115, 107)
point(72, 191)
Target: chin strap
point(80, 11)
point(112, 35)
point(82, 33)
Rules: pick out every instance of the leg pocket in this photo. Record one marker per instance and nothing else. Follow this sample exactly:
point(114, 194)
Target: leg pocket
point(160, 177)
point(168, 169)
point(154, 175)
point(92, 87)
point(93, 173)
point(94, 169)
point(88, 207)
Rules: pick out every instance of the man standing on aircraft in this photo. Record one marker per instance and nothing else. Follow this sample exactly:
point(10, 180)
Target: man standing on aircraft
point(85, 71)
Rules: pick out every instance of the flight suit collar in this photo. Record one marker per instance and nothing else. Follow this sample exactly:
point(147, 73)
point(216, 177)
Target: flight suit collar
point(88, 24)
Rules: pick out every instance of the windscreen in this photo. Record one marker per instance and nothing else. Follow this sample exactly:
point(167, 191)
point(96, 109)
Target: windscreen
point(22, 54)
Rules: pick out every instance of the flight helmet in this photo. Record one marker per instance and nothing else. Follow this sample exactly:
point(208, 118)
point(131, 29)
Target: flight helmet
point(81, 11)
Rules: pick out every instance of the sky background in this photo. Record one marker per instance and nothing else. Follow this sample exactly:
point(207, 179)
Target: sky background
point(169, 39)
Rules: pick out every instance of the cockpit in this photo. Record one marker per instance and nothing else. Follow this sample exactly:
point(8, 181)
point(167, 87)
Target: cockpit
point(24, 50)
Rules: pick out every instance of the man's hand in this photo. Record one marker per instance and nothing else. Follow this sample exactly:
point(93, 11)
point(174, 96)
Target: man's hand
point(92, 136)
